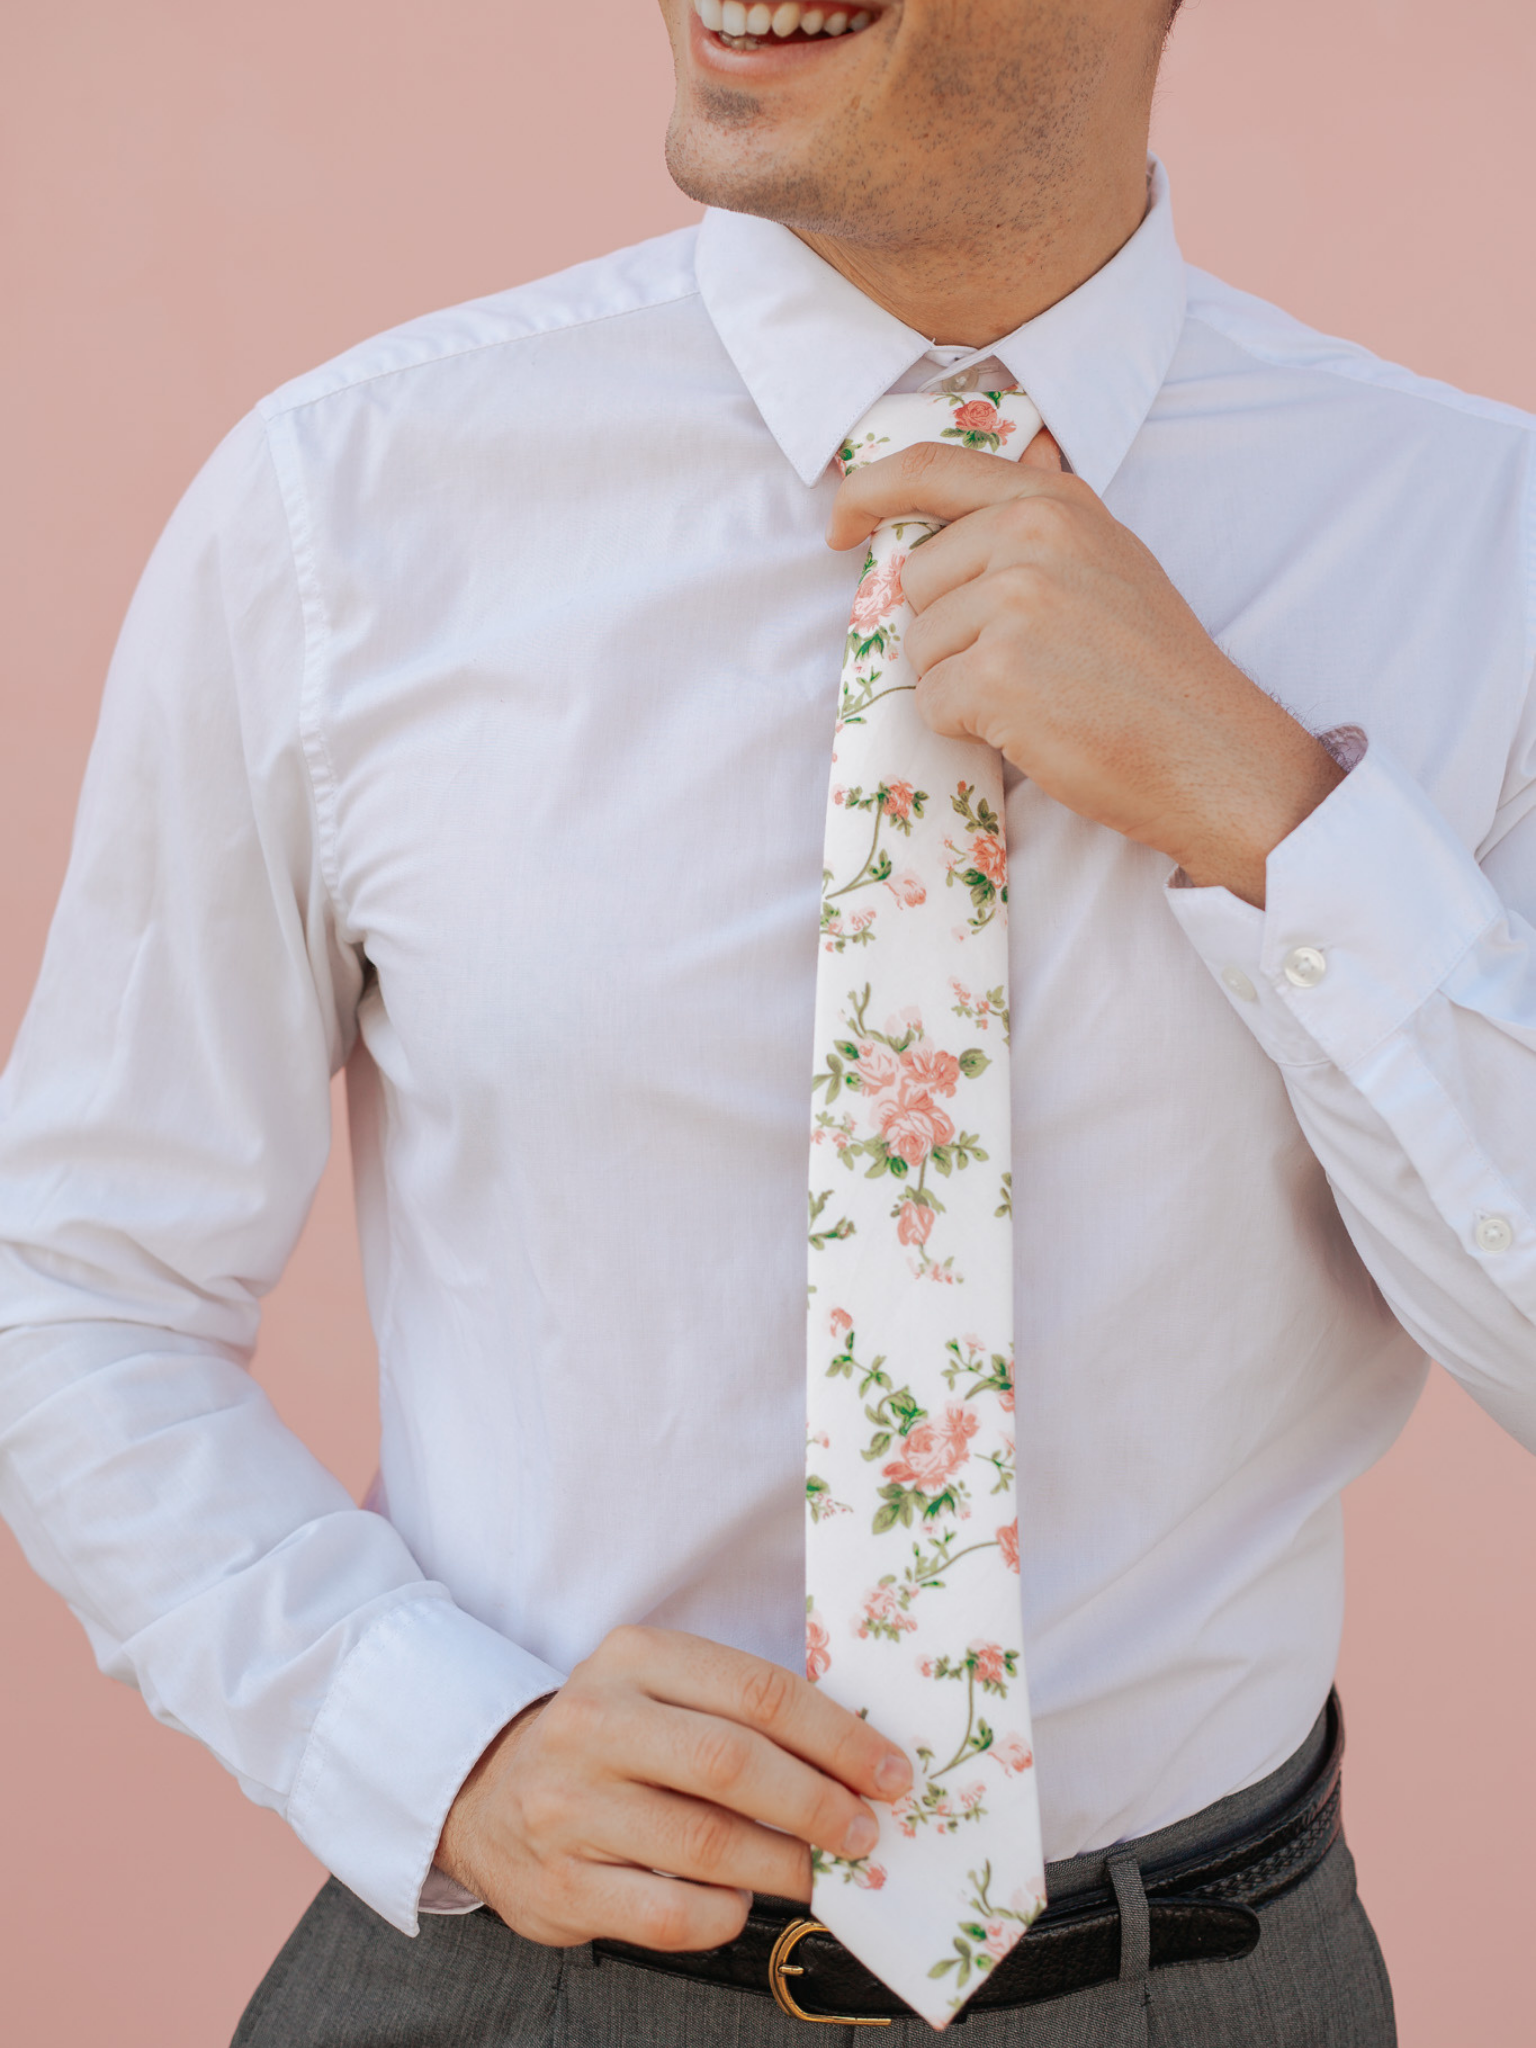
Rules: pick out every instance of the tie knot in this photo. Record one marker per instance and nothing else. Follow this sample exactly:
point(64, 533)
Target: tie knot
point(1001, 422)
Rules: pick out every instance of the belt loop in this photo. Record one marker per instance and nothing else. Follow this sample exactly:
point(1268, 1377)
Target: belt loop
point(1135, 1943)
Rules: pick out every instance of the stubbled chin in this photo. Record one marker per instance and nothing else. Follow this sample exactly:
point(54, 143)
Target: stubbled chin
point(723, 152)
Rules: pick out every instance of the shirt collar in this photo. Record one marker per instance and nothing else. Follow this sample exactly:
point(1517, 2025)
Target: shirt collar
point(815, 353)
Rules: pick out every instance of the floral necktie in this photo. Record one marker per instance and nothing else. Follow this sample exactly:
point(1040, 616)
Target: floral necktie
point(912, 1543)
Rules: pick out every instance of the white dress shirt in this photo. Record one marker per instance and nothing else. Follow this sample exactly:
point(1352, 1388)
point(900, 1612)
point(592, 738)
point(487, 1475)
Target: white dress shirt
point(472, 727)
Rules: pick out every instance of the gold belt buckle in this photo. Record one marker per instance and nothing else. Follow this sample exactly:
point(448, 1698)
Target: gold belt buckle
point(780, 1967)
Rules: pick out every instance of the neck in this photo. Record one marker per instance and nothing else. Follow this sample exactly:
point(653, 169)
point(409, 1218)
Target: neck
point(976, 284)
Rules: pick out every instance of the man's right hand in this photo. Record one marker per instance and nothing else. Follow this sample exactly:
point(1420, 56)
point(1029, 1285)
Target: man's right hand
point(664, 1753)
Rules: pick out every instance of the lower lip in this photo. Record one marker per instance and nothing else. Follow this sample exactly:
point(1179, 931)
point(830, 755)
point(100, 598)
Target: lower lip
point(772, 60)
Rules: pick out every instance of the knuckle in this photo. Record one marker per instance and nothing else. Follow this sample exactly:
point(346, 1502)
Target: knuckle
point(829, 1816)
point(665, 1922)
point(855, 1751)
point(582, 1719)
point(768, 1694)
point(932, 700)
point(1018, 517)
point(734, 1911)
point(707, 1839)
point(563, 1885)
point(1019, 586)
point(1036, 520)
point(545, 1813)
point(921, 459)
point(625, 1645)
point(720, 1758)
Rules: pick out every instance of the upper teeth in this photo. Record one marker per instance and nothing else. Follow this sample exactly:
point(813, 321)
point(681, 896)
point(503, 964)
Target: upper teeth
point(736, 18)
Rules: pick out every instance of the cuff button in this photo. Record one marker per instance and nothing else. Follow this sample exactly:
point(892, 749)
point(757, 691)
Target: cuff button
point(1305, 966)
point(1494, 1233)
point(1239, 982)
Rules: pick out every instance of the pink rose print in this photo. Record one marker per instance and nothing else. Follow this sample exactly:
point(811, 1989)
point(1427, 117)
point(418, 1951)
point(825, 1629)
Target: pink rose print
point(905, 1814)
point(935, 1450)
point(878, 596)
point(841, 1322)
point(914, 1220)
point(925, 1666)
point(1012, 1753)
point(1001, 1936)
point(976, 416)
point(1008, 1544)
point(989, 1662)
point(818, 1649)
point(908, 888)
point(912, 1124)
point(898, 800)
point(883, 1613)
point(938, 1072)
point(878, 1068)
point(871, 1876)
point(971, 1795)
point(979, 424)
point(990, 855)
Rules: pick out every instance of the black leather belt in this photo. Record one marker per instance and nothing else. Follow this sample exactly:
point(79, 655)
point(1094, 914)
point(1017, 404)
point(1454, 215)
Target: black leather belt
point(1202, 1908)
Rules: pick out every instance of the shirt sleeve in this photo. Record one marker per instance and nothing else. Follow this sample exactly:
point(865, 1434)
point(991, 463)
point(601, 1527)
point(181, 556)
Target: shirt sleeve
point(163, 1123)
point(1394, 986)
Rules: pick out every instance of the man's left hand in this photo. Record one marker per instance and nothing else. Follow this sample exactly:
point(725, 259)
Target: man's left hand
point(1045, 628)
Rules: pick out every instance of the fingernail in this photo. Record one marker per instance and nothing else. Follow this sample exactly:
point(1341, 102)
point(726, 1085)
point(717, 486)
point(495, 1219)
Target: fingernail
point(861, 1837)
point(893, 1774)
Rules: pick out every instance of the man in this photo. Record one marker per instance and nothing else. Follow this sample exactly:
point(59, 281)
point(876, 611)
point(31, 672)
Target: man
point(471, 727)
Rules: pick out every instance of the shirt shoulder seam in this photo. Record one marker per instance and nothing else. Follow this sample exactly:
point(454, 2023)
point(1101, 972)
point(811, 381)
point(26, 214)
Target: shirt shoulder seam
point(1354, 365)
point(274, 407)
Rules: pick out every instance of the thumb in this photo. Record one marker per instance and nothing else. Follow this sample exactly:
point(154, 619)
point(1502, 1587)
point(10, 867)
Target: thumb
point(1042, 453)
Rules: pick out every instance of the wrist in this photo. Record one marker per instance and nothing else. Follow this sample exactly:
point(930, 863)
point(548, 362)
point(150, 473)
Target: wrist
point(1233, 853)
point(457, 1854)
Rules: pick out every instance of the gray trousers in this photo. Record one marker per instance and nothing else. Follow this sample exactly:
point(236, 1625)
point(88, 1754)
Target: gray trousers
point(347, 1979)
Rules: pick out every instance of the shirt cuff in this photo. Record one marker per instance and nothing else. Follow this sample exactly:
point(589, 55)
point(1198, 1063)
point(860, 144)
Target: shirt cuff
point(1370, 903)
point(442, 1895)
point(408, 1715)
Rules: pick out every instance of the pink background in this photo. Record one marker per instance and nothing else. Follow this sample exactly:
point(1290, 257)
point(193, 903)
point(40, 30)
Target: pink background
point(205, 199)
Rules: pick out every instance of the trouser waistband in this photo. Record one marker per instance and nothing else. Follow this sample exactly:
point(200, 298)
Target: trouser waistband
point(1187, 1893)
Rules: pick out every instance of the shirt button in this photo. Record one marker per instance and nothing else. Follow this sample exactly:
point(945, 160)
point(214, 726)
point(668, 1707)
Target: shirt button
point(1494, 1234)
point(1239, 983)
point(1305, 966)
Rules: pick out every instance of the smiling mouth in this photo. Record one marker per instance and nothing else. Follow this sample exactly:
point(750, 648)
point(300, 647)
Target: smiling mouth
point(762, 26)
